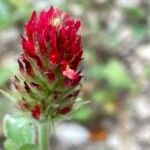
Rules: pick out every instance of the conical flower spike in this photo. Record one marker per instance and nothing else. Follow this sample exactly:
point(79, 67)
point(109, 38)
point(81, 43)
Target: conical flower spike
point(50, 72)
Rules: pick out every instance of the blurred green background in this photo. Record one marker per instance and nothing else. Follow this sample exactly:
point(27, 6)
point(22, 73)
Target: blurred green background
point(116, 39)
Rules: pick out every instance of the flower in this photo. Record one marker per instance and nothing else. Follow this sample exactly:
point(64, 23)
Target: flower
point(50, 72)
point(36, 111)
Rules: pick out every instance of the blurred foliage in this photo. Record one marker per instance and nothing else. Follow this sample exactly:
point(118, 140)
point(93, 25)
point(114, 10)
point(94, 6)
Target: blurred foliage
point(6, 72)
point(58, 3)
point(13, 12)
point(136, 14)
point(147, 71)
point(137, 17)
point(5, 75)
point(113, 73)
point(82, 114)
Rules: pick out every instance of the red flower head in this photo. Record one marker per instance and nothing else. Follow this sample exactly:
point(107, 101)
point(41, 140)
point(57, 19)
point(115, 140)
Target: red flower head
point(49, 64)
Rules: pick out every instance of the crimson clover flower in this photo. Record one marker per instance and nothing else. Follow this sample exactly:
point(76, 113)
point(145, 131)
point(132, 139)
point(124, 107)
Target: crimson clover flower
point(50, 72)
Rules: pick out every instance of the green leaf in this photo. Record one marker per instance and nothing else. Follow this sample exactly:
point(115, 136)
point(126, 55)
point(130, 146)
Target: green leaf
point(28, 147)
point(10, 145)
point(19, 130)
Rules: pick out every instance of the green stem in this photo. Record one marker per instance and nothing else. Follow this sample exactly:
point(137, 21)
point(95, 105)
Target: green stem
point(44, 143)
